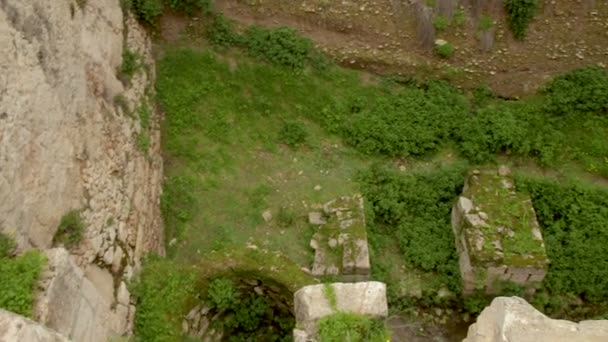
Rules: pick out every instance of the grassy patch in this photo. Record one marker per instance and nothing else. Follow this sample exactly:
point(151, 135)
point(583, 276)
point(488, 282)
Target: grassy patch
point(19, 276)
point(351, 327)
point(221, 134)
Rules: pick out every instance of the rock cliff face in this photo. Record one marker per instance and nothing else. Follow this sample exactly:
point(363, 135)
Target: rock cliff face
point(513, 319)
point(18, 328)
point(69, 131)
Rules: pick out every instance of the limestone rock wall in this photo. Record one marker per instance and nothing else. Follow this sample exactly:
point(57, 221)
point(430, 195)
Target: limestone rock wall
point(513, 319)
point(68, 143)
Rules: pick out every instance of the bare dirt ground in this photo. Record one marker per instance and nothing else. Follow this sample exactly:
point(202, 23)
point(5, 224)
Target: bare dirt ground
point(380, 36)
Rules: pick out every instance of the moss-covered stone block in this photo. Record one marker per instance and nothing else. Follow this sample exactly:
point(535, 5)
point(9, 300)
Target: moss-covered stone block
point(497, 234)
point(340, 240)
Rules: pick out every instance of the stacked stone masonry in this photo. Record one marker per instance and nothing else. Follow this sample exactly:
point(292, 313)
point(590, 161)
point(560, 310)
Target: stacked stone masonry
point(340, 241)
point(497, 235)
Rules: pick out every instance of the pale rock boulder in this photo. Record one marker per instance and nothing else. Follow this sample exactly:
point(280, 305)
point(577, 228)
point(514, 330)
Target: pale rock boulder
point(18, 328)
point(510, 319)
point(81, 305)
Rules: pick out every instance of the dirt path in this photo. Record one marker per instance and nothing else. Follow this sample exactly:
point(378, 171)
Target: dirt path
point(380, 35)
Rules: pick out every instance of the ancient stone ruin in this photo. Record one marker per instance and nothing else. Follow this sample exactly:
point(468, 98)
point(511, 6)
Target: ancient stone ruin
point(311, 303)
point(340, 240)
point(497, 234)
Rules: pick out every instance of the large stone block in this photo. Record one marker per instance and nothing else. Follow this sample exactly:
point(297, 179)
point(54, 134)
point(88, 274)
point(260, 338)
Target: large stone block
point(512, 319)
point(496, 233)
point(365, 298)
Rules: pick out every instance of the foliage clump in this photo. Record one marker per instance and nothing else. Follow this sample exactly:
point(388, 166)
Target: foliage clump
point(415, 209)
point(18, 277)
point(293, 134)
point(70, 230)
point(580, 93)
point(445, 50)
point(573, 218)
point(414, 121)
point(520, 13)
point(350, 327)
point(221, 293)
point(283, 46)
point(131, 64)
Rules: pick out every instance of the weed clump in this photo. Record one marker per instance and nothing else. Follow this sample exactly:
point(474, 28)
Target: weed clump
point(351, 327)
point(445, 50)
point(19, 276)
point(70, 230)
point(293, 134)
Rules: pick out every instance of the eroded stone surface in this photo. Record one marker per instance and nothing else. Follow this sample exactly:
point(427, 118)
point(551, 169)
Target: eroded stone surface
point(510, 319)
point(18, 328)
point(497, 234)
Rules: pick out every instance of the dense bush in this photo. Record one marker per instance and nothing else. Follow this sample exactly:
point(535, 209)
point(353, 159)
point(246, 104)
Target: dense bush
point(415, 209)
point(413, 122)
point(18, 277)
point(579, 93)
point(441, 22)
point(520, 13)
point(221, 32)
point(162, 291)
point(189, 6)
point(574, 220)
point(293, 134)
point(445, 50)
point(349, 327)
point(147, 10)
point(492, 130)
point(70, 230)
point(221, 293)
point(283, 46)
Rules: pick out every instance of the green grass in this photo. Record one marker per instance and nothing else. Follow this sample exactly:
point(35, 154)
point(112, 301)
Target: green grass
point(18, 277)
point(224, 132)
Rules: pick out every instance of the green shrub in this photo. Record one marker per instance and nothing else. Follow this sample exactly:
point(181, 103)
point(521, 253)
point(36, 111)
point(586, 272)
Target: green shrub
point(190, 6)
point(221, 293)
point(441, 22)
point(293, 134)
point(18, 281)
point(283, 46)
point(221, 32)
point(444, 50)
point(7, 246)
point(493, 130)
point(143, 141)
point(579, 93)
point(162, 290)
point(131, 63)
point(341, 327)
point(147, 11)
point(70, 230)
point(412, 122)
point(415, 209)
point(520, 13)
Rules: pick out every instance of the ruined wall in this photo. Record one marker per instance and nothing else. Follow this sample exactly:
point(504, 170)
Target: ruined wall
point(65, 144)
